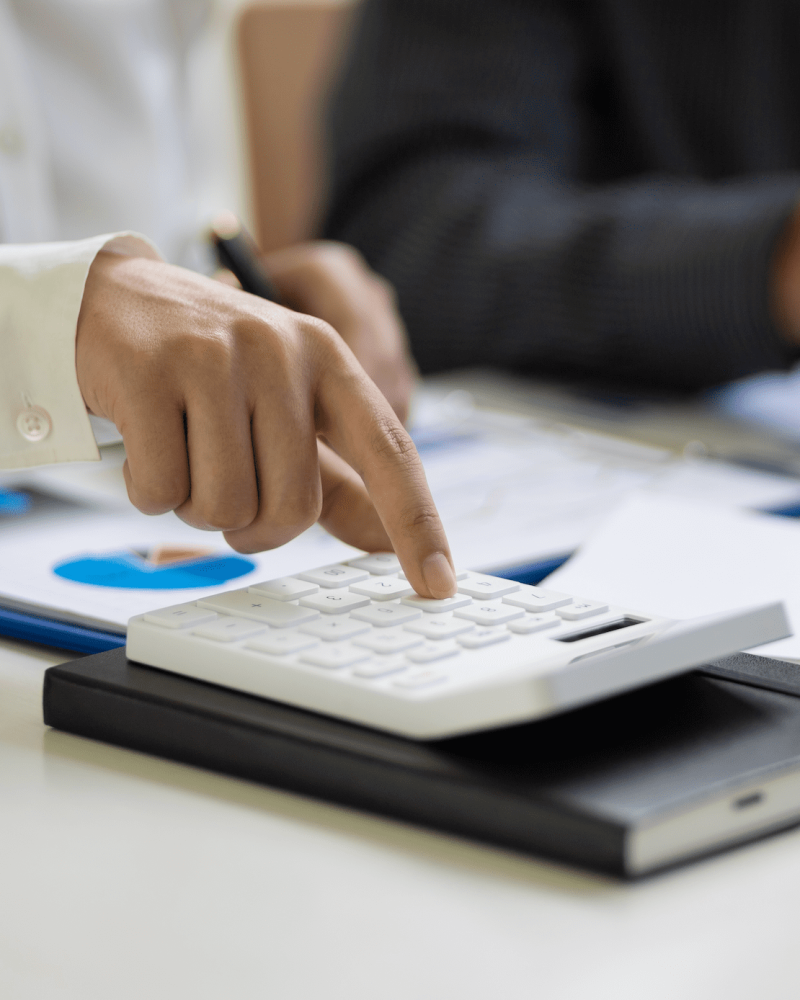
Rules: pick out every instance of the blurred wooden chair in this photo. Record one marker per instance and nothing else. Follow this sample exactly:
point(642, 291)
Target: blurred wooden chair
point(288, 53)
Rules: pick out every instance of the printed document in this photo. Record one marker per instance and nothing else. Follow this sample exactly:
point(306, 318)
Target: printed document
point(681, 558)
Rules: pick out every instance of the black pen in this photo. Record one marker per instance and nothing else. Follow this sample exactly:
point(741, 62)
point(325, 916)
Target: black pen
point(237, 251)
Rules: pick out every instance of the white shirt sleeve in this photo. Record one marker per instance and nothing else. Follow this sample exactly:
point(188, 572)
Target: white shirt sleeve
point(43, 418)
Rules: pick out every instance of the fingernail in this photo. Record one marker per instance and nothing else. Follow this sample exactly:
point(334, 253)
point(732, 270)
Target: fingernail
point(439, 576)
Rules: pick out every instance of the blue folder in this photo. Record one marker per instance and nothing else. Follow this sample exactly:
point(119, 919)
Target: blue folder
point(61, 635)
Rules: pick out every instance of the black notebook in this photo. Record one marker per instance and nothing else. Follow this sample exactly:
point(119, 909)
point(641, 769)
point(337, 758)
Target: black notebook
point(626, 786)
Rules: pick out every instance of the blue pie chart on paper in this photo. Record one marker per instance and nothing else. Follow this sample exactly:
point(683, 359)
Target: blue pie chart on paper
point(128, 570)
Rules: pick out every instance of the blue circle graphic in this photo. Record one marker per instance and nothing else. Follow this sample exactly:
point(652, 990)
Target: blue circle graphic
point(129, 571)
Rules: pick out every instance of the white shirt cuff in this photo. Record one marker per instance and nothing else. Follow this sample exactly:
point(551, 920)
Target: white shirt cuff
point(43, 418)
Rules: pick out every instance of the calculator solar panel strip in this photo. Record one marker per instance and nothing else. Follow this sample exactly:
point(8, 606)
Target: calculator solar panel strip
point(353, 641)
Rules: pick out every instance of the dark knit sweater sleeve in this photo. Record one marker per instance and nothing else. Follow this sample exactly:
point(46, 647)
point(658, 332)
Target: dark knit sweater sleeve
point(472, 170)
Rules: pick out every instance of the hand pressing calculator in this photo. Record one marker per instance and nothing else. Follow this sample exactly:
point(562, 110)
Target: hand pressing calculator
point(354, 641)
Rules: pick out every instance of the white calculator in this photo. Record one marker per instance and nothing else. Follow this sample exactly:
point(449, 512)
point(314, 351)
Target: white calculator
point(354, 641)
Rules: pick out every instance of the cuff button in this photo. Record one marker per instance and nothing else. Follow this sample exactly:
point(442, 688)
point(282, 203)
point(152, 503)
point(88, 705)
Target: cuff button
point(34, 423)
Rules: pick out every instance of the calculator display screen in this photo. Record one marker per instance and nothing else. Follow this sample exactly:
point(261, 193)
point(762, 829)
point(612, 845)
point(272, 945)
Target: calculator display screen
point(600, 629)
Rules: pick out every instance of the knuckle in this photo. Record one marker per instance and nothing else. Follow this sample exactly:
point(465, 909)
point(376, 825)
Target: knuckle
point(252, 542)
point(192, 361)
point(265, 347)
point(419, 518)
point(260, 539)
point(278, 522)
point(293, 513)
point(225, 514)
point(191, 347)
point(318, 330)
point(157, 498)
point(212, 352)
point(390, 440)
point(321, 340)
point(242, 544)
point(423, 516)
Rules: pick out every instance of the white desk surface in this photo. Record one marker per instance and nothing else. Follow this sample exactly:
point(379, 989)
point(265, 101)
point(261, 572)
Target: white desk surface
point(123, 876)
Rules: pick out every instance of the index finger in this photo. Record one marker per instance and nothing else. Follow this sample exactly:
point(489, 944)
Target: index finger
point(359, 424)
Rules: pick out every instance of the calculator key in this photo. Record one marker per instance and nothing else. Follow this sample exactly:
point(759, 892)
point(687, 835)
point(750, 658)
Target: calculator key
point(394, 641)
point(381, 667)
point(377, 563)
point(285, 588)
point(279, 614)
point(420, 678)
point(228, 629)
point(439, 627)
point(461, 574)
point(384, 615)
point(334, 602)
point(181, 617)
point(331, 629)
point(536, 599)
point(481, 586)
point(280, 643)
point(432, 606)
point(581, 609)
point(495, 613)
point(483, 637)
point(335, 576)
point(386, 589)
point(430, 651)
point(533, 623)
point(333, 657)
